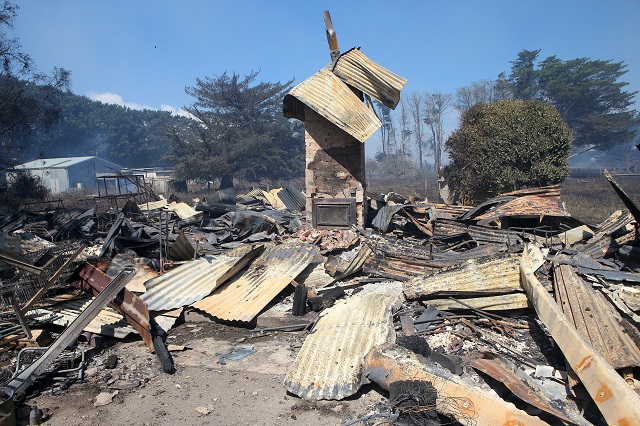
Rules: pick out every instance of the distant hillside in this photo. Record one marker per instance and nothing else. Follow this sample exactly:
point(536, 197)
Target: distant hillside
point(132, 138)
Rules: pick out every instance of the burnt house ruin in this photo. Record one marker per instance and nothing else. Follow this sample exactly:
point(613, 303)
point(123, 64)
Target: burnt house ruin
point(336, 108)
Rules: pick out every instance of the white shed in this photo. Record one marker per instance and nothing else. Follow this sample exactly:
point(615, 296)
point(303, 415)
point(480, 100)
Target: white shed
point(62, 174)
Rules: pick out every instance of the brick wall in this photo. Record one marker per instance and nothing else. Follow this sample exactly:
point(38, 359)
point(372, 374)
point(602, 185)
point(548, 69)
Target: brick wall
point(334, 164)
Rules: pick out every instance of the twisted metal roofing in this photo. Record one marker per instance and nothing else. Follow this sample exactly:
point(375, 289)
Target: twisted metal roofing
point(244, 298)
point(331, 360)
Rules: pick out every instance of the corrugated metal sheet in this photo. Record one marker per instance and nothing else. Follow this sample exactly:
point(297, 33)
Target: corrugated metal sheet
point(501, 302)
point(534, 205)
point(244, 298)
point(292, 198)
point(596, 319)
point(314, 276)
point(144, 272)
point(541, 191)
point(327, 95)
point(474, 277)
point(183, 210)
point(153, 205)
point(357, 70)
point(192, 281)
point(330, 362)
point(107, 323)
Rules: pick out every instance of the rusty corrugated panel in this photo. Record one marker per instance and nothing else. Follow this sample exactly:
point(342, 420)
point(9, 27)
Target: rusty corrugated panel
point(542, 191)
point(244, 298)
point(525, 388)
point(330, 362)
point(182, 249)
point(501, 302)
point(153, 205)
point(93, 281)
point(357, 70)
point(617, 229)
point(107, 323)
point(183, 210)
point(456, 398)
point(596, 319)
point(314, 276)
point(474, 277)
point(327, 95)
point(192, 281)
point(144, 272)
point(534, 205)
point(618, 403)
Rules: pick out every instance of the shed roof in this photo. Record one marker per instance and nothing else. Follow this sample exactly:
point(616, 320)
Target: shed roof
point(58, 163)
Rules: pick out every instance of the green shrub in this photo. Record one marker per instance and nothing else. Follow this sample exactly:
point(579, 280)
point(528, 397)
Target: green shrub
point(505, 146)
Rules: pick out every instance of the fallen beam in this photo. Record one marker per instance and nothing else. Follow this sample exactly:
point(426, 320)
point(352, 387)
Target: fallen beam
point(617, 402)
point(466, 403)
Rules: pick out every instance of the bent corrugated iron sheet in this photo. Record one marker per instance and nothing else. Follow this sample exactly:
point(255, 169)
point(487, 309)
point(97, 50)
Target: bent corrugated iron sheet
point(244, 298)
point(595, 318)
point(330, 362)
point(524, 387)
point(330, 97)
point(357, 70)
point(617, 402)
point(474, 277)
point(464, 402)
point(195, 280)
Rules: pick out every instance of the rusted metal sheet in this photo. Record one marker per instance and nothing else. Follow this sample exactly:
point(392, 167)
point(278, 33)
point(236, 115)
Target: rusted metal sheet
point(501, 302)
point(357, 70)
point(400, 260)
point(107, 323)
point(244, 298)
point(474, 277)
point(595, 318)
point(134, 310)
point(315, 276)
point(524, 387)
point(330, 362)
point(330, 97)
point(144, 272)
point(183, 210)
point(462, 401)
point(541, 191)
point(533, 205)
point(618, 403)
point(153, 205)
point(195, 280)
point(616, 230)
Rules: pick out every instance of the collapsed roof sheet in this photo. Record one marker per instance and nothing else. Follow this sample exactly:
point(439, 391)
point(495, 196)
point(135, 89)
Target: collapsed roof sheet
point(192, 281)
point(474, 277)
point(596, 319)
point(244, 298)
point(533, 205)
point(357, 70)
point(327, 95)
point(330, 362)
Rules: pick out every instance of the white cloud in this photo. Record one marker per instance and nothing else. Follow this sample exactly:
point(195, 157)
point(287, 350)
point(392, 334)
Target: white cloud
point(114, 98)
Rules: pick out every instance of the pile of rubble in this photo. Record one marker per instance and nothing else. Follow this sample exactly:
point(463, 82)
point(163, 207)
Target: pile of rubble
point(511, 312)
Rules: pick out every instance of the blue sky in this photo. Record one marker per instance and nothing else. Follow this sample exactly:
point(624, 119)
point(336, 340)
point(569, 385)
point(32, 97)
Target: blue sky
point(143, 53)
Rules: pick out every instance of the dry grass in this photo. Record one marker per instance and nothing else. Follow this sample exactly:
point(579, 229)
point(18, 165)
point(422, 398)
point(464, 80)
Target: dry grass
point(592, 200)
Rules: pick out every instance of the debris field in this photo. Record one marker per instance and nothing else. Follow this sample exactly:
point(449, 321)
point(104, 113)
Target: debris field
point(509, 312)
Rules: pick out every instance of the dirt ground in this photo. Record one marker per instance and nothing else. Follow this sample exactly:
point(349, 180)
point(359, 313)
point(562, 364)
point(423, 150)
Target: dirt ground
point(202, 391)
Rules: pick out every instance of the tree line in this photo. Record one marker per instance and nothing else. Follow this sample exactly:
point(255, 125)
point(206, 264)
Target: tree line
point(236, 127)
point(588, 94)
